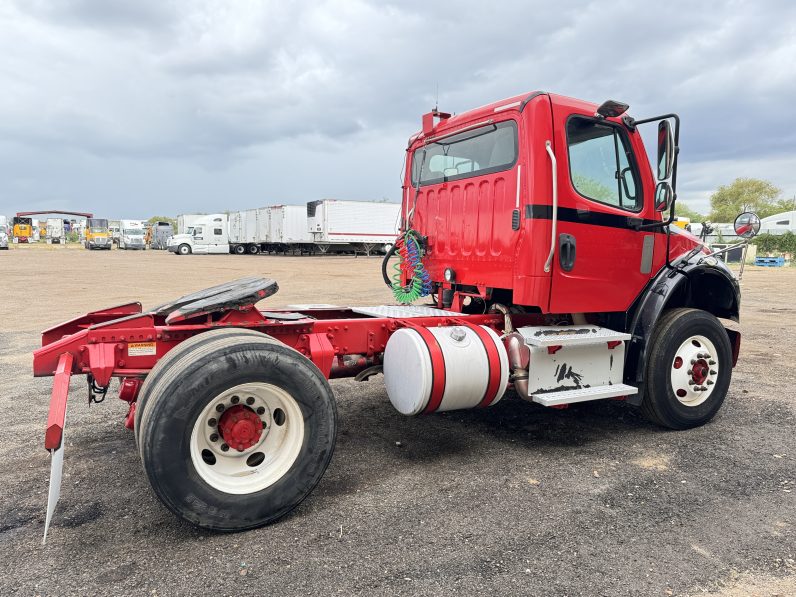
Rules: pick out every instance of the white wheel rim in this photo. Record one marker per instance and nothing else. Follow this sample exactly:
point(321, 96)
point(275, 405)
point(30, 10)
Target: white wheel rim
point(694, 371)
point(263, 463)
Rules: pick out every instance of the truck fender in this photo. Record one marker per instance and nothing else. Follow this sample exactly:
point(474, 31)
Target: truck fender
point(712, 288)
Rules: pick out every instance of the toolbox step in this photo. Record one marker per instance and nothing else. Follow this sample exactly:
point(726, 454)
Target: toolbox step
point(583, 394)
point(571, 335)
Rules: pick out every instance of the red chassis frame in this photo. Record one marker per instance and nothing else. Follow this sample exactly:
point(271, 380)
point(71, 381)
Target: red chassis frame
point(341, 343)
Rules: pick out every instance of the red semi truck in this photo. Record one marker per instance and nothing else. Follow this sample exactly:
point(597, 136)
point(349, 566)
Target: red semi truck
point(539, 233)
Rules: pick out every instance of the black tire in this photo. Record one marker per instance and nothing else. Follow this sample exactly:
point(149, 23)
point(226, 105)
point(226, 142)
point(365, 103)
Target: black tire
point(189, 386)
point(660, 404)
point(172, 357)
point(253, 249)
point(184, 250)
point(239, 250)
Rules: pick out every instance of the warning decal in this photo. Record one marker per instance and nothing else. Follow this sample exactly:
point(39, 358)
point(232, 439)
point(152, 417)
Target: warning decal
point(141, 349)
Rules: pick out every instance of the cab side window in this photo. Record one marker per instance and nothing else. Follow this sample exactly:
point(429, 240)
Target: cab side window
point(600, 164)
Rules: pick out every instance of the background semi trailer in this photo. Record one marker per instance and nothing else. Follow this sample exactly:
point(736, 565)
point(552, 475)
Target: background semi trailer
point(248, 230)
point(289, 231)
point(185, 222)
point(359, 225)
point(55, 231)
point(132, 234)
point(98, 234)
point(538, 236)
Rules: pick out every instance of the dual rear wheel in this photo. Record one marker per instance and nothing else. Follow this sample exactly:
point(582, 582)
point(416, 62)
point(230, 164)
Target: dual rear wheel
point(234, 429)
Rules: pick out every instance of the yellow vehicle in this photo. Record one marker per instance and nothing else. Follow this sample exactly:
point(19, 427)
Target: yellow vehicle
point(23, 230)
point(98, 235)
point(684, 223)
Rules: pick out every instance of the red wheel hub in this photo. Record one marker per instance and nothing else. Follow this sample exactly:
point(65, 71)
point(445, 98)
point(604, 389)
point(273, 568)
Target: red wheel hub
point(240, 427)
point(699, 371)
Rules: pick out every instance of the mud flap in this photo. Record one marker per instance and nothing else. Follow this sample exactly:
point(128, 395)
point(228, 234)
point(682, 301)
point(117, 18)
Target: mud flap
point(56, 473)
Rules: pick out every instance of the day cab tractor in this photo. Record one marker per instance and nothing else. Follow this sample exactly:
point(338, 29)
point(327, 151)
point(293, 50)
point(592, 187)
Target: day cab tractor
point(540, 235)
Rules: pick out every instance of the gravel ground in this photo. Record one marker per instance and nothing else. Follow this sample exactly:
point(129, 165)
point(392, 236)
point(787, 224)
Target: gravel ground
point(517, 499)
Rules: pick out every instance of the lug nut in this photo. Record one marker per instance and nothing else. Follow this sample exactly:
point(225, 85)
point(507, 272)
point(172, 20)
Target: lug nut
point(261, 410)
point(704, 389)
point(710, 382)
point(235, 400)
point(211, 422)
point(711, 362)
point(220, 408)
point(249, 400)
point(713, 372)
point(693, 361)
point(690, 372)
point(214, 437)
point(224, 447)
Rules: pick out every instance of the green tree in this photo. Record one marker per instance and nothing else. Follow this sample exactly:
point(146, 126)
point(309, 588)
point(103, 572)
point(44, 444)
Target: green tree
point(745, 194)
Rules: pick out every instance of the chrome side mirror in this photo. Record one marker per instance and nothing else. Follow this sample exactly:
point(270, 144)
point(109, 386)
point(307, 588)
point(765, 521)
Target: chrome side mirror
point(747, 225)
point(663, 196)
point(665, 150)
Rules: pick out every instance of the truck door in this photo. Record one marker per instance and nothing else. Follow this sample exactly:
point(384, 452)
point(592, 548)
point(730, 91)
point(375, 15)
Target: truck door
point(200, 242)
point(602, 261)
point(218, 237)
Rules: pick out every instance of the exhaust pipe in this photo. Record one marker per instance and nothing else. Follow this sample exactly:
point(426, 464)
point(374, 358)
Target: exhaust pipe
point(519, 360)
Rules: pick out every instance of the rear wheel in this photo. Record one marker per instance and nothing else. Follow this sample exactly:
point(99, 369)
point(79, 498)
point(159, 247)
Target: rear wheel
point(688, 370)
point(253, 249)
point(237, 432)
point(239, 250)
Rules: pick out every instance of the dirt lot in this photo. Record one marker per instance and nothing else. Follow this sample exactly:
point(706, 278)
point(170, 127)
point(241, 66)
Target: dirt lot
point(518, 499)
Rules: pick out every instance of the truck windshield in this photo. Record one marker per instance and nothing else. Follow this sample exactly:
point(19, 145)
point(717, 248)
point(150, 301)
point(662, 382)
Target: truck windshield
point(476, 152)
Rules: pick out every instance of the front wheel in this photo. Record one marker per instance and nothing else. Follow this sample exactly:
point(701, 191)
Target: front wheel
point(688, 370)
point(184, 250)
point(236, 434)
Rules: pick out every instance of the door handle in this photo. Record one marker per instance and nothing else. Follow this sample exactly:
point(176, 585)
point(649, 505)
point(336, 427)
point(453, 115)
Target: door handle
point(566, 252)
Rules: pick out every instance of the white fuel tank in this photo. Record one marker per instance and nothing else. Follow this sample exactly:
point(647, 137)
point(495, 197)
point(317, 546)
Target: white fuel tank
point(444, 368)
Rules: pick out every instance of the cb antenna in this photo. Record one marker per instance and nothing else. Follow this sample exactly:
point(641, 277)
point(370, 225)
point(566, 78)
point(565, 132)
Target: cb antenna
point(436, 99)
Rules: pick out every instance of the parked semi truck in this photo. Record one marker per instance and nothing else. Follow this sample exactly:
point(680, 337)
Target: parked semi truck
point(98, 234)
point(158, 235)
point(3, 233)
point(209, 234)
point(22, 229)
point(131, 234)
point(55, 231)
point(539, 238)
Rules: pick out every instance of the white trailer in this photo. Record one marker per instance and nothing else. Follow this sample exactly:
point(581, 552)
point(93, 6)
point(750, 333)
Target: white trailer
point(55, 231)
point(357, 225)
point(185, 222)
point(779, 223)
point(288, 230)
point(248, 230)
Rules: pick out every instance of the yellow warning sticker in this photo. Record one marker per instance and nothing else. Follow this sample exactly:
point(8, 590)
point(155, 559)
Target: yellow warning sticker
point(141, 349)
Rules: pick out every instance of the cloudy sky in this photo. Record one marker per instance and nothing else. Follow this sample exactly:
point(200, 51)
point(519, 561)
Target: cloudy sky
point(137, 108)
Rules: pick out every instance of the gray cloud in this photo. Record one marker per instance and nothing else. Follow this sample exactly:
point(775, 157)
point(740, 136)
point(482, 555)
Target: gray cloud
point(152, 106)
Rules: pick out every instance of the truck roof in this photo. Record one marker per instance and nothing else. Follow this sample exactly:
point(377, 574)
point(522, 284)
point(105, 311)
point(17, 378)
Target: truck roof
point(515, 103)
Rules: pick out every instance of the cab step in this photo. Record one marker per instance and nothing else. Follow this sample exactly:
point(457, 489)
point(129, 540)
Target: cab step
point(556, 398)
point(571, 335)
